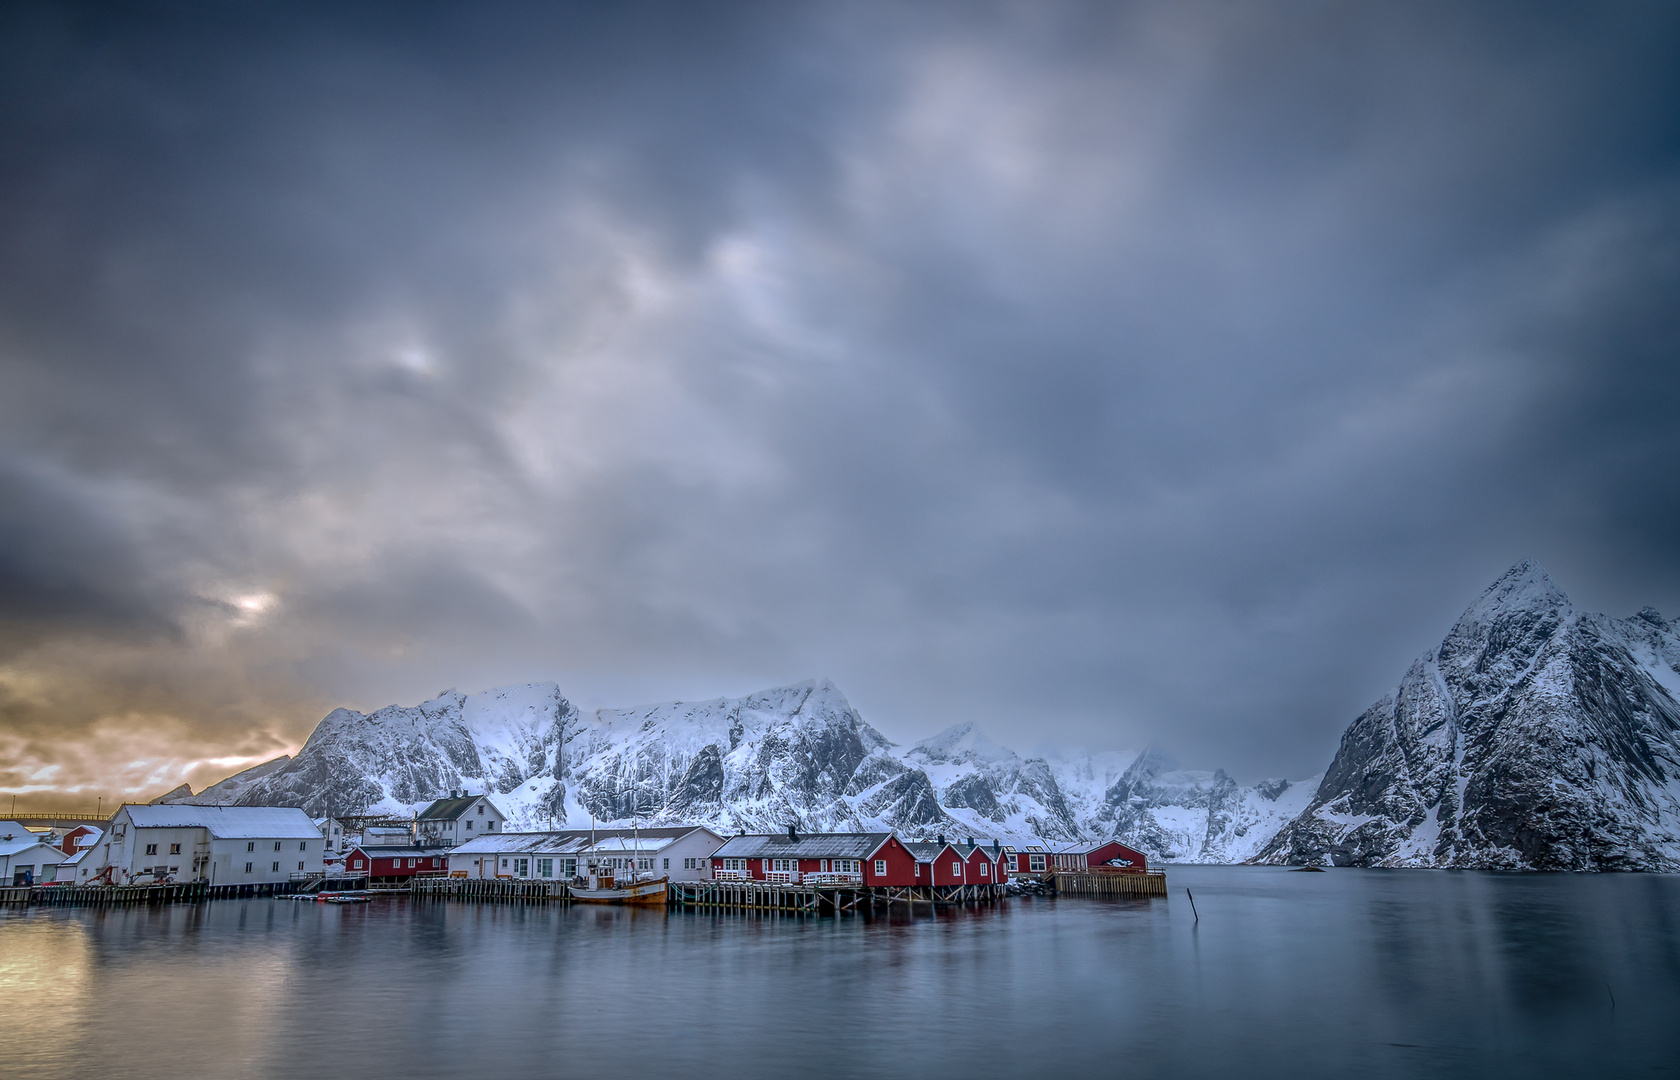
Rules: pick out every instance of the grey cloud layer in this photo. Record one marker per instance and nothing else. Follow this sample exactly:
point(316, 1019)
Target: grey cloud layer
point(1098, 373)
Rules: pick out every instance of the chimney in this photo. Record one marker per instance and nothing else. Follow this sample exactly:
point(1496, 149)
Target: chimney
point(968, 841)
point(793, 835)
point(941, 838)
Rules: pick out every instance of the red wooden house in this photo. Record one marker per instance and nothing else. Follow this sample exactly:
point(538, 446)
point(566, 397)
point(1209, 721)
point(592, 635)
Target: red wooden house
point(874, 859)
point(938, 862)
point(393, 863)
point(984, 865)
point(1034, 859)
point(1110, 856)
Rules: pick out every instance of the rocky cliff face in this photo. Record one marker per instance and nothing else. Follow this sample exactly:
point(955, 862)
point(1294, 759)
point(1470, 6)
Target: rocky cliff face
point(1535, 737)
point(509, 739)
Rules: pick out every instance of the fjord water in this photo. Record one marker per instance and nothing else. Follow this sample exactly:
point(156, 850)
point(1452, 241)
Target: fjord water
point(1373, 973)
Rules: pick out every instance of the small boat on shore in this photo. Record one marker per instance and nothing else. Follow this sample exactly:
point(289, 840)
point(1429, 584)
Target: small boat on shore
point(604, 888)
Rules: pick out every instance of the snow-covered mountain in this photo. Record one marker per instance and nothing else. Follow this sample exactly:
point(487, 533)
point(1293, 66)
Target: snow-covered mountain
point(798, 754)
point(1535, 737)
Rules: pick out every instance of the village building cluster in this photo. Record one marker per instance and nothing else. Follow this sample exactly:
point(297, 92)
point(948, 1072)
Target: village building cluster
point(463, 835)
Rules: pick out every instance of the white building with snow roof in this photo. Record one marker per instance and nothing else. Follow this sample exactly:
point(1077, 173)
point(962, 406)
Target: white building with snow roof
point(221, 845)
point(26, 858)
point(681, 852)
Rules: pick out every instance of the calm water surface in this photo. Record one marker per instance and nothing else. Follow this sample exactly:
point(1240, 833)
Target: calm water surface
point(1369, 973)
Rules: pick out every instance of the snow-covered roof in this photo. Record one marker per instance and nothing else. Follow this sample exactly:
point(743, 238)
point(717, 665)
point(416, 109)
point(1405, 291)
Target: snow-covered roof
point(76, 858)
point(380, 851)
point(577, 841)
point(811, 846)
point(925, 850)
point(227, 822)
point(450, 809)
point(19, 844)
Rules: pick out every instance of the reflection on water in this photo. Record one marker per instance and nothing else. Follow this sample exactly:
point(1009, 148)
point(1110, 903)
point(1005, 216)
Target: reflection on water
point(1380, 973)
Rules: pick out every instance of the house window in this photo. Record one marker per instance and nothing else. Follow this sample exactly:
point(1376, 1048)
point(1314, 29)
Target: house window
point(247, 868)
point(522, 867)
point(356, 865)
point(491, 826)
point(985, 869)
point(276, 868)
point(481, 808)
point(1014, 865)
point(151, 849)
point(1035, 864)
point(667, 865)
point(545, 867)
point(251, 845)
point(504, 864)
point(469, 823)
point(436, 861)
point(956, 869)
point(300, 866)
point(276, 845)
point(880, 868)
point(303, 845)
point(174, 849)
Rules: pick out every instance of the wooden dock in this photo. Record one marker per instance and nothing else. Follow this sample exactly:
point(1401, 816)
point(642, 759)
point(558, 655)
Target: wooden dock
point(823, 899)
point(129, 895)
point(489, 890)
point(1111, 884)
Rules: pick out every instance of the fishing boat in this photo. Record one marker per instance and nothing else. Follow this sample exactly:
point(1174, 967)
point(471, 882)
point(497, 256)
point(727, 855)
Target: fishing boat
point(602, 887)
point(601, 883)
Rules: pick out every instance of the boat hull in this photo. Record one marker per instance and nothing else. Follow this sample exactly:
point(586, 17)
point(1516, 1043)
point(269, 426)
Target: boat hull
point(642, 892)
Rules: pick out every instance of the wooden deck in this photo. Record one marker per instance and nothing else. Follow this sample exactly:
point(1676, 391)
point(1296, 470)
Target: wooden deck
point(1111, 884)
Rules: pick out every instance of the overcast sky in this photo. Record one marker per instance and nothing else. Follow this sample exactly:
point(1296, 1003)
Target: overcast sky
point(1102, 374)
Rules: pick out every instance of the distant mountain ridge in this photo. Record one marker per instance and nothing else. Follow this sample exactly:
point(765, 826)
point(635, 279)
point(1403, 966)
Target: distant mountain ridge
point(796, 753)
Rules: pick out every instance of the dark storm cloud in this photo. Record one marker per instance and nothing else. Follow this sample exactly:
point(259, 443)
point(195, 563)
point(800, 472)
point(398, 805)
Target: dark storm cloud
point(1099, 373)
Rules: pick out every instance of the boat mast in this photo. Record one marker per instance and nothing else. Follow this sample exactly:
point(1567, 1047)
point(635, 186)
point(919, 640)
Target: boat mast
point(635, 827)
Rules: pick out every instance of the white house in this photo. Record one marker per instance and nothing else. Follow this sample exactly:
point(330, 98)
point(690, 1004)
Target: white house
point(682, 851)
point(457, 819)
point(71, 864)
point(222, 845)
point(25, 858)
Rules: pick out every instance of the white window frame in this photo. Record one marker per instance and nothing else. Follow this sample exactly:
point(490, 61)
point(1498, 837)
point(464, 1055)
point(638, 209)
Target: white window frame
point(880, 868)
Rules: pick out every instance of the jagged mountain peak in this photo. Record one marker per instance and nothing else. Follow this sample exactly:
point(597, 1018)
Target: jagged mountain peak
point(961, 743)
point(1526, 586)
point(1152, 762)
